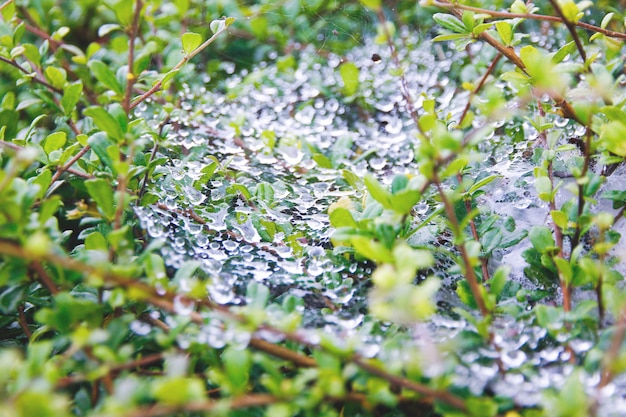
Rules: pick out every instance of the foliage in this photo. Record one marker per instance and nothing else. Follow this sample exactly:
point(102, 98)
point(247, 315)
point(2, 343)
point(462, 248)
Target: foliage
point(114, 301)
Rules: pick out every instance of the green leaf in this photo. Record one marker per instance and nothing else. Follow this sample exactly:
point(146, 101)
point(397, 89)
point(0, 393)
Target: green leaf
point(101, 192)
point(106, 122)
point(191, 41)
point(95, 241)
point(499, 280)
point(341, 217)
point(377, 191)
point(451, 23)
point(541, 238)
point(403, 201)
point(371, 4)
point(70, 98)
point(565, 269)
point(178, 390)
point(371, 249)
point(186, 271)
point(54, 141)
point(567, 49)
point(448, 37)
point(99, 143)
point(257, 295)
point(559, 218)
point(505, 30)
point(612, 136)
point(399, 183)
point(350, 76)
point(217, 25)
point(103, 73)
point(237, 364)
point(481, 407)
point(56, 76)
point(468, 20)
point(606, 20)
point(482, 182)
point(544, 188)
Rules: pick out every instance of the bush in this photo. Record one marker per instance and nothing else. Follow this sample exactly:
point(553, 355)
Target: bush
point(311, 208)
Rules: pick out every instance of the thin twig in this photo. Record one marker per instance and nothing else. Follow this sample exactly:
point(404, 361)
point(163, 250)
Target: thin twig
point(21, 318)
point(44, 278)
point(404, 87)
point(69, 163)
point(165, 301)
point(470, 275)
point(159, 84)
point(132, 36)
point(507, 15)
point(38, 80)
point(572, 29)
point(248, 401)
point(509, 53)
point(480, 85)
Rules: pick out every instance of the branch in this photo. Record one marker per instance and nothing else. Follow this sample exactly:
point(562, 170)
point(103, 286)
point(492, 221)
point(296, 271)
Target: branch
point(165, 301)
point(249, 401)
point(159, 84)
point(509, 53)
point(35, 79)
point(507, 15)
point(572, 29)
point(132, 35)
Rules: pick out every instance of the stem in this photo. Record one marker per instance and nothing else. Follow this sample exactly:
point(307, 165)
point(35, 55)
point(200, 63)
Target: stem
point(165, 301)
point(470, 275)
point(472, 223)
point(69, 163)
point(44, 278)
point(572, 29)
point(132, 35)
point(581, 187)
point(159, 84)
point(248, 401)
point(21, 318)
point(404, 88)
point(609, 360)
point(413, 386)
point(509, 53)
point(507, 15)
point(34, 79)
point(480, 85)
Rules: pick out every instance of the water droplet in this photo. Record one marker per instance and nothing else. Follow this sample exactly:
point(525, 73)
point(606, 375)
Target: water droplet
point(140, 328)
point(183, 306)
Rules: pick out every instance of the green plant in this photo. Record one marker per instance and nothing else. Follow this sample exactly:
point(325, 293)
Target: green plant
point(173, 242)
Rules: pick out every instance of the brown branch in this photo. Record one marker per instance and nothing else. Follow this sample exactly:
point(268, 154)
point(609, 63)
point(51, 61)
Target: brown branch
point(132, 36)
point(69, 163)
point(509, 53)
point(572, 29)
point(147, 318)
point(137, 363)
point(470, 275)
point(507, 15)
point(34, 79)
point(480, 85)
point(21, 318)
point(609, 359)
point(164, 301)
point(159, 84)
point(443, 396)
point(44, 278)
point(248, 401)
